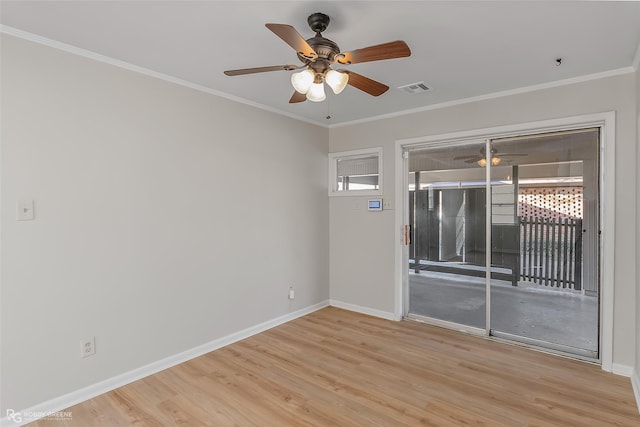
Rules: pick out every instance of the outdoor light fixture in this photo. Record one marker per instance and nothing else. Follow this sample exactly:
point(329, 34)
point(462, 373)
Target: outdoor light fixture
point(495, 161)
point(311, 83)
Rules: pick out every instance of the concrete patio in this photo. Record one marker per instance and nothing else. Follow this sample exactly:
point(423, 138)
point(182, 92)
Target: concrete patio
point(528, 310)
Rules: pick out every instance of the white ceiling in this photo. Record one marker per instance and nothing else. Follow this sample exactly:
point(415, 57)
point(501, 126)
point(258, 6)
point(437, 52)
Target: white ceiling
point(459, 49)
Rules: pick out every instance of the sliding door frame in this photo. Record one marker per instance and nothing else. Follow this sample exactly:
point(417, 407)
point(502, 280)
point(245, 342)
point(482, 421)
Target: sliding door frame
point(606, 123)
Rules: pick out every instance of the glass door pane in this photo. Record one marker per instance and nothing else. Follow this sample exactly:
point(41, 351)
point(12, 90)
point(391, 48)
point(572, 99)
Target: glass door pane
point(447, 215)
point(544, 240)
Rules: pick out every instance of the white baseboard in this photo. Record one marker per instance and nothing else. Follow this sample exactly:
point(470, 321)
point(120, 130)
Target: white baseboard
point(635, 383)
point(624, 370)
point(364, 310)
point(58, 404)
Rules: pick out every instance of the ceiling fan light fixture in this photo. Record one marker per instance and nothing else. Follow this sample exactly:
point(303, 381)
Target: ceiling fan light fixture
point(336, 80)
point(495, 161)
point(316, 92)
point(303, 80)
point(318, 54)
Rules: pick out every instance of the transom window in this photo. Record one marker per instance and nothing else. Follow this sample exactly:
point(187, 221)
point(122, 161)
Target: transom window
point(356, 172)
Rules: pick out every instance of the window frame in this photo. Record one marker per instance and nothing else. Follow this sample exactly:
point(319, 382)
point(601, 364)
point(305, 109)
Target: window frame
point(354, 154)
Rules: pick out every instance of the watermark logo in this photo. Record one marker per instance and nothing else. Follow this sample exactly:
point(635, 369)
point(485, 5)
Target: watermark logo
point(18, 417)
point(14, 416)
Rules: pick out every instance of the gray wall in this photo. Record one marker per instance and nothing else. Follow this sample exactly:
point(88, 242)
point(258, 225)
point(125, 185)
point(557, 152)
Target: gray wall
point(362, 245)
point(165, 218)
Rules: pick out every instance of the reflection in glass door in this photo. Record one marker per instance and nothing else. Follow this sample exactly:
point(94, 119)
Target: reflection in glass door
point(447, 218)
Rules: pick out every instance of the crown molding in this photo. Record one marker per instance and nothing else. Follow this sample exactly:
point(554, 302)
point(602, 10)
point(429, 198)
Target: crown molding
point(494, 95)
point(135, 68)
point(142, 70)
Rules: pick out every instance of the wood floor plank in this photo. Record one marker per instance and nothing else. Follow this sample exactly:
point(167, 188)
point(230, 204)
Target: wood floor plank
point(339, 368)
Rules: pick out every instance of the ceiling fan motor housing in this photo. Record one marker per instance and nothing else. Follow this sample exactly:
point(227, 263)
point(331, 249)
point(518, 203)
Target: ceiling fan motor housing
point(325, 48)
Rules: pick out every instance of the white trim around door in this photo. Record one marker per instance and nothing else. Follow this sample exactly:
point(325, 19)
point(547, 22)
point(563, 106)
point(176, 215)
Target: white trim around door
point(606, 121)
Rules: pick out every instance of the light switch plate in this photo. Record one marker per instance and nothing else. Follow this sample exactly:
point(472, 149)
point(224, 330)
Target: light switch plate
point(24, 210)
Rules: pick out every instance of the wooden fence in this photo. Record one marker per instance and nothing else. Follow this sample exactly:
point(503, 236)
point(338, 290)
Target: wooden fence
point(551, 252)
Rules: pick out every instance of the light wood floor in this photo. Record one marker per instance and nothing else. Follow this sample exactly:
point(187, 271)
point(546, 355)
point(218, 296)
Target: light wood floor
point(338, 368)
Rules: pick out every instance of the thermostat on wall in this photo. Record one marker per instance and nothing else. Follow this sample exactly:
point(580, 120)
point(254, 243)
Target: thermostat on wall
point(374, 205)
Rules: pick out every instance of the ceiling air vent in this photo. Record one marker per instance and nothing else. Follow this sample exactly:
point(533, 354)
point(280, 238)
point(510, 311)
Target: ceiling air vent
point(414, 88)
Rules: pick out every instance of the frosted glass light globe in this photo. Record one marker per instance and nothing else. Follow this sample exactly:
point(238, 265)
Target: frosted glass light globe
point(316, 93)
point(303, 80)
point(336, 80)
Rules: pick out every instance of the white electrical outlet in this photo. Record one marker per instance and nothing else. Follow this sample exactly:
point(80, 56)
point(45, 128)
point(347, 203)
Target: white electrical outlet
point(87, 347)
point(292, 293)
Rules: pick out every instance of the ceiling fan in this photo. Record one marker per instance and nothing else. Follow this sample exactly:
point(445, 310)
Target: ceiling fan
point(481, 158)
point(318, 54)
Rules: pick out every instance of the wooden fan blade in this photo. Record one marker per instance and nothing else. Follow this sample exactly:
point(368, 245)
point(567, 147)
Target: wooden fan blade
point(397, 49)
point(261, 69)
point(467, 157)
point(511, 155)
point(293, 39)
point(365, 84)
point(297, 97)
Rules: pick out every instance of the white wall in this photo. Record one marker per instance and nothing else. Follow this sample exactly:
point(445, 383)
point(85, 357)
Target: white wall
point(165, 218)
point(362, 244)
point(636, 378)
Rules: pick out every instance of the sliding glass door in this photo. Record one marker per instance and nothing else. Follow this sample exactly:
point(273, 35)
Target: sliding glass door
point(447, 257)
point(531, 205)
point(544, 214)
